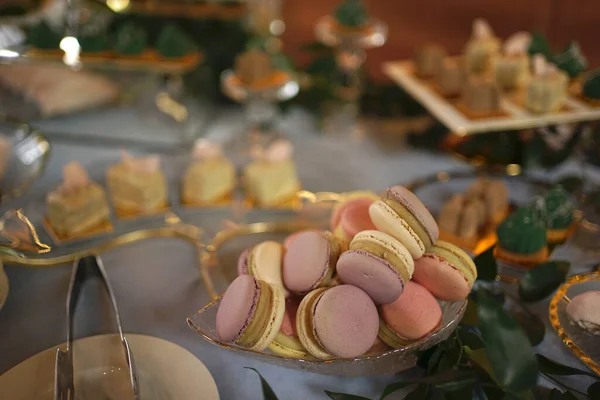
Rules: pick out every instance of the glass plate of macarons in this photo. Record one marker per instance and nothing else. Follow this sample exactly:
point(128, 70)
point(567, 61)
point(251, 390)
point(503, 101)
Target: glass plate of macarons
point(355, 285)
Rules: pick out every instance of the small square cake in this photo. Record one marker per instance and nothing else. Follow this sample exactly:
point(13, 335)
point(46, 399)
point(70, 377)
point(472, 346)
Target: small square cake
point(451, 77)
point(78, 205)
point(271, 179)
point(210, 177)
point(428, 60)
point(547, 90)
point(137, 184)
point(481, 96)
point(512, 69)
point(482, 48)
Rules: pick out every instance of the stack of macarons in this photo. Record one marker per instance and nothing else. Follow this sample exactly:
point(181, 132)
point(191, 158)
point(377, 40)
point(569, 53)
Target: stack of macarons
point(377, 278)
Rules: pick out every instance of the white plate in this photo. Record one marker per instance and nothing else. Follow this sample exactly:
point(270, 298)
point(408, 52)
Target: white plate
point(165, 371)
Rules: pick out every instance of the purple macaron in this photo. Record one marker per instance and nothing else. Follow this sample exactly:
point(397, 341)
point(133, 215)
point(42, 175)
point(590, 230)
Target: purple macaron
point(242, 265)
point(374, 275)
point(237, 308)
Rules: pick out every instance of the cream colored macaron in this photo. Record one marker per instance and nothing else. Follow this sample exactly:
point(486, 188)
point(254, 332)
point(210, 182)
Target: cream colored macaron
point(388, 221)
point(265, 263)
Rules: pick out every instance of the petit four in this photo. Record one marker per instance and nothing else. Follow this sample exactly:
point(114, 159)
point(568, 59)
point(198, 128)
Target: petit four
point(130, 39)
point(210, 177)
point(309, 261)
point(591, 86)
point(414, 315)
point(547, 89)
point(571, 60)
point(559, 214)
point(337, 322)
point(137, 184)
point(482, 49)
point(451, 77)
point(352, 215)
point(446, 271)
point(428, 60)
point(512, 68)
point(250, 313)
point(481, 95)
point(271, 179)
point(173, 42)
point(403, 216)
point(584, 311)
point(522, 237)
point(78, 205)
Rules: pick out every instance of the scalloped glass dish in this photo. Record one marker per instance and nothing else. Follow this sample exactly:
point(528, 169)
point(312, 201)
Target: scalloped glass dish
point(583, 344)
point(218, 264)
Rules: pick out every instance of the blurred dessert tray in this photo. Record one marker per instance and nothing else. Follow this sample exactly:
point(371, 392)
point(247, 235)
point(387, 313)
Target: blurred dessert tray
point(222, 10)
point(513, 116)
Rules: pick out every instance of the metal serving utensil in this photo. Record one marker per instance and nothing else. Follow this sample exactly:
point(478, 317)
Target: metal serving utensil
point(84, 269)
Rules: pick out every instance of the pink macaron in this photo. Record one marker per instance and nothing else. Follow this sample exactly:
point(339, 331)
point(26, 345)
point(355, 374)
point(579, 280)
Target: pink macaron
point(288, 240)
point(352, 217)
point(413, 316)
point(242, 264)
point(374, 275)
point(309, 261)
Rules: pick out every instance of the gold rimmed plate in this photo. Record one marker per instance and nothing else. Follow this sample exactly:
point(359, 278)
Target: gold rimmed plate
point(103, 228)
point(219, 268)
point(583, 344)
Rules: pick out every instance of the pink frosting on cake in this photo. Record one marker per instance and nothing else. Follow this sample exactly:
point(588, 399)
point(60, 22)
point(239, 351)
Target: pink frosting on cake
point(237, 308)
point(415, 314)
point(306, 262)
point(346, 321)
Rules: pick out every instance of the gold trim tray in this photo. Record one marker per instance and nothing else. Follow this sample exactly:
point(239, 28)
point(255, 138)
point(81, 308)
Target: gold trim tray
point(584, 345)
point(514, 116)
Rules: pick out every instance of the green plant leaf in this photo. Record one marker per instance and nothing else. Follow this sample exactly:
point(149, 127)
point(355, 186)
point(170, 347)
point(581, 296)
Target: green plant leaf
point(268, 393)
point(480, 358)
point(552, 367)
point(594, 391)
point(556, 394)
point(470, 337)
point(434, 361)
point(420, 393)
point(447, 381)
point(344, 396)
point(506, 346)
point(540, 281)
point(532, 325)
point(425, 356)
point(450, 359)
point(487, 268)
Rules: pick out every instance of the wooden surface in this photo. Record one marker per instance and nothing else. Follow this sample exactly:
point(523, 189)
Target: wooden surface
point(414, 23)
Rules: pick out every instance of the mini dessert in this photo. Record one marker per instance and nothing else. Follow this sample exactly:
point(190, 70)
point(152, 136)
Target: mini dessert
point(210, 177)
point(265, 263)
point(352, 15)
point(288, 240)
point(78, 205)
point(571, 60)
point(481, 96)
point(428, 60)
point(413, 316)
point(547, 90)
point(482, 49)
point(451, 77)
point(173, 42)
point(242, 264)
point(337, 322)
point(446, 271)
point(352, 216)
point(512, 69)
point(378, 264)
point(271, 179)
point(137, 185)
point(591, 86)
point(310, 260)
point(559, 214)
point(494, 194)
point(403, 216)
point(250, 313)
point(96, 44)
point(131, 39)
point(584, 311)
point(254, 68)
point(286, 342)
point(522, 238)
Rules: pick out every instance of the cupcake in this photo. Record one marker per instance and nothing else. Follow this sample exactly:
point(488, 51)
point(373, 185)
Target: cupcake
point(352, 14)
point(512, 68)
point(591, 86)
point(571, 60)
point(559, 214)
point(547, 90)
point(210, 177)
point(522, 238)
point(131, 39)
point(173, 42)
point(254, 68)
point(482, 48)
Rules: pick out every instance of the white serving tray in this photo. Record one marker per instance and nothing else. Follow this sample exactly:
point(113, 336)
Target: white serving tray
point(513, 115)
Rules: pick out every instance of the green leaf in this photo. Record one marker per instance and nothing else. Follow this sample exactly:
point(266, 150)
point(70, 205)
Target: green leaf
point(470, 337)
point(506, 345)
point(556, 394)
point(344, 396)
point(447, 381)
point(450, 359)
point(425, 356)
point(268, 393)
point(434, 361)
point(480, 358)
point(552, 367)
point(532, 325)
point(420, 393)
point(594, 391)
point(487, 268)
point(540, 281)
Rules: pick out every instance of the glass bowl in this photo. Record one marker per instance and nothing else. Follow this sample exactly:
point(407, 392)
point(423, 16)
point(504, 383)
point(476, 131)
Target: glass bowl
point(218, 265)
point(583, 344)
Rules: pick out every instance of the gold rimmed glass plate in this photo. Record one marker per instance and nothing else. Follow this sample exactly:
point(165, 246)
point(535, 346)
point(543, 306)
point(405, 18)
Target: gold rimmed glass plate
point(584, 345)
point(219, 268)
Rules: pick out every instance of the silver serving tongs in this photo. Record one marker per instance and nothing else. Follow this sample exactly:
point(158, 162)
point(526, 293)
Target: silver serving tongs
point(83, 269)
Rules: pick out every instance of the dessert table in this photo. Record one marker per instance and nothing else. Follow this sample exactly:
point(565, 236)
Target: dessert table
point(157, 284)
